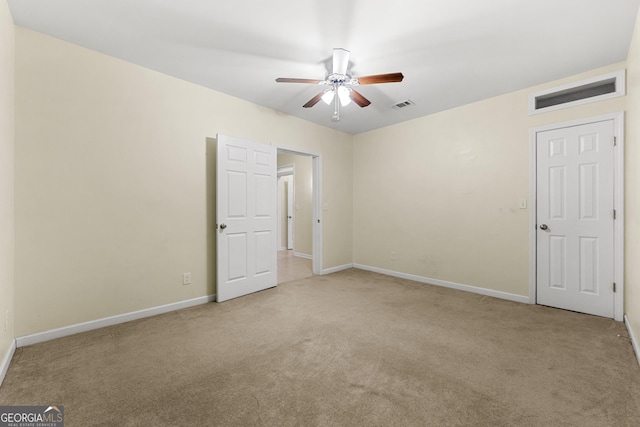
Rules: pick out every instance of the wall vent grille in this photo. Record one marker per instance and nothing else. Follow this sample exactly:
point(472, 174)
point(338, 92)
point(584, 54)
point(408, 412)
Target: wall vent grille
point(591, 90)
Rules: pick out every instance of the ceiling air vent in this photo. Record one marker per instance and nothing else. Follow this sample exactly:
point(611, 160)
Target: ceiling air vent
point(403, 104)
point(595, 89)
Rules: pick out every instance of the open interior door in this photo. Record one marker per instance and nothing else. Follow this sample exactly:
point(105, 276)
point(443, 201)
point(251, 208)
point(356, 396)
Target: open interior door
point(246, 217)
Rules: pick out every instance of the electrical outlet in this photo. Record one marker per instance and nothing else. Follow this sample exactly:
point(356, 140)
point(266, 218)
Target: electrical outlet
point(186, 279)
point(394, 255)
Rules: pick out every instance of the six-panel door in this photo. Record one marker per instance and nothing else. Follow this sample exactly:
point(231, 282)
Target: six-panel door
point(246, 217)
point(575, 199)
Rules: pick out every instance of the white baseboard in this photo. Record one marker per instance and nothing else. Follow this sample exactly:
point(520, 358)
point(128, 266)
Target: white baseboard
point(4, 365)
point(634, 342)
point(301, 255)
point(336, 269)
point(109, 321)
point(443, 283)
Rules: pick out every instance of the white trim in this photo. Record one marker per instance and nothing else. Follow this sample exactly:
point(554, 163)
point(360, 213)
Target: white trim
point(290, 172)
point(337, 269)
point(533, 208)
point(620, 79)
point(317, 216)
point(4, 366)
point(618, 205)
point(446, 284)
point(109, 321)
point(634, 342)
point(297, 151)
point(286, 170)
point(301, 255)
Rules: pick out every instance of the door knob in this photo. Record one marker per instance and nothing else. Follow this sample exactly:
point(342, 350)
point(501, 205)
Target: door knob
point(543, 227)
point(223, 226)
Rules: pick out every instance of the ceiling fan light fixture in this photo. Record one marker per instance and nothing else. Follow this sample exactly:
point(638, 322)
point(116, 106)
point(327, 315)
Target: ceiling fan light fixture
point(327, 97)
point(344, 95)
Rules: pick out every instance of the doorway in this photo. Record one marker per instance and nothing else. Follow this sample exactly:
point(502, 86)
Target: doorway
point(576, 217)
point(297, 215)
point(286, 203)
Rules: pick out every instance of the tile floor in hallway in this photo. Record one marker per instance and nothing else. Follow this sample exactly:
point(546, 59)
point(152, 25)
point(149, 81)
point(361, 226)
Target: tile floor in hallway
point(292, 267)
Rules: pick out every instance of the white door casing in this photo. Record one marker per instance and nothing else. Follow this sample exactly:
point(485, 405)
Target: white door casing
point(577, 242)
point(246, 217)
point(282, 213)
point(290, 186)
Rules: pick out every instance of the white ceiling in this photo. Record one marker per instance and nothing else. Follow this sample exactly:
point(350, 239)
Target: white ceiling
point(452, 52)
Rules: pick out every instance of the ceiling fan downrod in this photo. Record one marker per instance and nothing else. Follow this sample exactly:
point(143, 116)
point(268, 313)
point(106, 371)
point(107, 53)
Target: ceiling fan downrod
point(336, 102)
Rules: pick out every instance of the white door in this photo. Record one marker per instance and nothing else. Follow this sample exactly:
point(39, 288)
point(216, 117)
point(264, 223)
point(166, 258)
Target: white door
point(575, 218)
point(246, 217)
point(290, 190)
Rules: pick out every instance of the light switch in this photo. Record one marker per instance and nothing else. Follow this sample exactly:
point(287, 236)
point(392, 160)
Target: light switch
point(522, 204)
point(325, 207)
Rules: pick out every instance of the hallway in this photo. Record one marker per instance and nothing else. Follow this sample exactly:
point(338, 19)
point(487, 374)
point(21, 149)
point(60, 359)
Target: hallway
point(292, 267)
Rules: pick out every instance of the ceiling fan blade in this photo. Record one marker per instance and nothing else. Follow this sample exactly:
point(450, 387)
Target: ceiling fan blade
point(358, 98)
point(381, 78)
point(313, 101)
point(340, 60)
point(293, 80)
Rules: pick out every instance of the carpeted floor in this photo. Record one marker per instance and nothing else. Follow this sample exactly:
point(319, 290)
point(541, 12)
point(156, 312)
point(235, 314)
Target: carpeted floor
point(352, 348)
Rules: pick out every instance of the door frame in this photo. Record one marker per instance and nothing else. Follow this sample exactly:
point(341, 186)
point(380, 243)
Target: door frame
point(618, 228)
point(287, 170)
point(316, 190)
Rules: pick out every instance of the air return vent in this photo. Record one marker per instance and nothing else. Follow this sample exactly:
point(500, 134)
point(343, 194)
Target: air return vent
point(403, 104)
point(595, 89)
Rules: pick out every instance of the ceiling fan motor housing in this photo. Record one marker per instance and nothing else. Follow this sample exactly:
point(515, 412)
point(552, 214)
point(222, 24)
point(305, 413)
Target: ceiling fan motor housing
point(340, 79)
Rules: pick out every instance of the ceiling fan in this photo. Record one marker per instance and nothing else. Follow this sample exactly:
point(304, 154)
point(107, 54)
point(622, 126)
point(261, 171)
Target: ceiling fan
point(338, 82)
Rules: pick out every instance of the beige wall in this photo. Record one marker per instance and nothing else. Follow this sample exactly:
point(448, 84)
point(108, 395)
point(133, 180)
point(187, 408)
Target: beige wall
point(113, 185)
point(303, 210)
point(442, 191)
point(632, 189)
point(6, 179)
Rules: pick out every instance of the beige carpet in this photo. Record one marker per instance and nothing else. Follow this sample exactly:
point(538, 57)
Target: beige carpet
point(348, 349)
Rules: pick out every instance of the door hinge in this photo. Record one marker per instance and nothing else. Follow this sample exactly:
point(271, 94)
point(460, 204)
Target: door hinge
point(614, 286)
point(615, 141)
point(614, 214)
